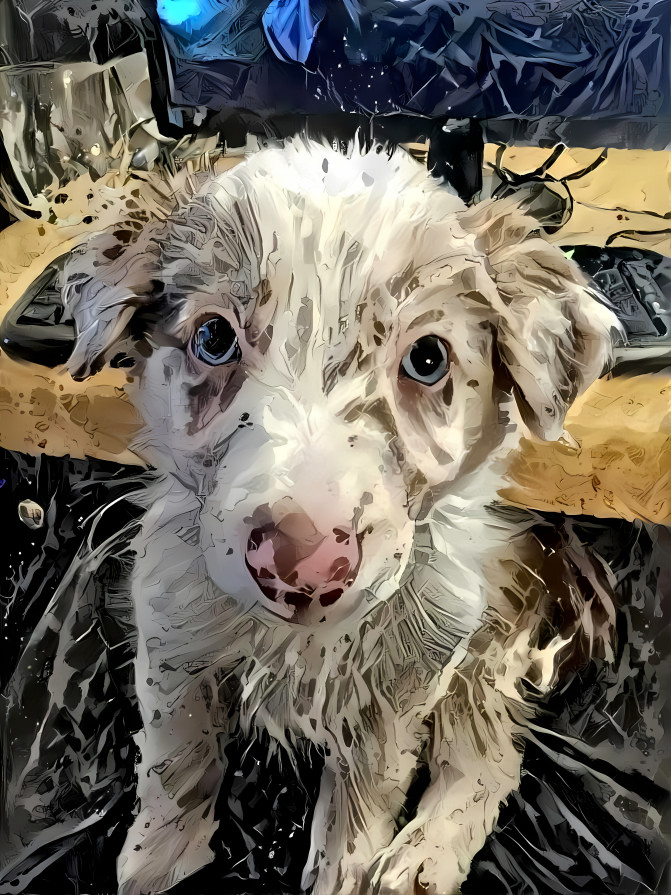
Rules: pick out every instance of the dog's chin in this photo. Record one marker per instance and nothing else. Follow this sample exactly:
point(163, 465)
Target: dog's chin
point(305, 609)
point(340, 609)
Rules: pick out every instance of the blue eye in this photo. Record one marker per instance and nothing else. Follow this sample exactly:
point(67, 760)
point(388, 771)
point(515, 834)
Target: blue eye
point(426, 361)
point(216, 343)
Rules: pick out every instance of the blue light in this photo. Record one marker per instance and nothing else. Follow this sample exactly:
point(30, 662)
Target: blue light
point(176, 12)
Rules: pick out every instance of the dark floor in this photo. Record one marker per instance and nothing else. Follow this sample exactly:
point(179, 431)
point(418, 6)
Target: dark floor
point(586, 817)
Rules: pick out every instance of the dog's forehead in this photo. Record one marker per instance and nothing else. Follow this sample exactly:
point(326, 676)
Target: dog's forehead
point(315, 279)
point(324, 258)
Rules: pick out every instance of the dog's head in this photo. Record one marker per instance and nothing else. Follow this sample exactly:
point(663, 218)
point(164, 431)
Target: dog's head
point(326, 345)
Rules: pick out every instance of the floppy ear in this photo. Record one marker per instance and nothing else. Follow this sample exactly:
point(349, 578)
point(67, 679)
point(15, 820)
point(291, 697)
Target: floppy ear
point(553, 335)
point(104, 282)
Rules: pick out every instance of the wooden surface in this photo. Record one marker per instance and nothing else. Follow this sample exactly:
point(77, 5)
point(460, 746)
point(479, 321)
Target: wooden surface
point(619, 197)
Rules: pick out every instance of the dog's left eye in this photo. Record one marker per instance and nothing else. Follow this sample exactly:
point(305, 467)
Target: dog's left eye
point(426, 361)
point(215, 342)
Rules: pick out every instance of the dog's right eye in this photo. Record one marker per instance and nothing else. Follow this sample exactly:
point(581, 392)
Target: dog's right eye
point(426, 361)
point(216, 343)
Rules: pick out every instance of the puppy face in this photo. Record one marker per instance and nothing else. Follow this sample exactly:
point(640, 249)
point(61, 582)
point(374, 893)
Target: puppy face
point(327, 347)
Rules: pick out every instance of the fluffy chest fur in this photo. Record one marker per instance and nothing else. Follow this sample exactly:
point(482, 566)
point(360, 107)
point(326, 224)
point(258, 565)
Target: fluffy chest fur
point(386, 661)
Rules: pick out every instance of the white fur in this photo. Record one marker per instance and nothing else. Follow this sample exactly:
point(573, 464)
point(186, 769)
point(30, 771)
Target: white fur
point(329, 268)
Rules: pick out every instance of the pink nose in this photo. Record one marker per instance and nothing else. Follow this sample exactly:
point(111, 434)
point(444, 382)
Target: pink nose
point(292, 561)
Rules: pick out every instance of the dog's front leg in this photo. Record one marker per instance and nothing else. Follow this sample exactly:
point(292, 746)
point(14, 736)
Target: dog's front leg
point(179, 776)
point(361, 795)
point(339, 855)
point(474, 766)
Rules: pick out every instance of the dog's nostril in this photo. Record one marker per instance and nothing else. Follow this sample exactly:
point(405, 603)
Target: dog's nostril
point(255, 539)
point(340, 569)
point(330, 597)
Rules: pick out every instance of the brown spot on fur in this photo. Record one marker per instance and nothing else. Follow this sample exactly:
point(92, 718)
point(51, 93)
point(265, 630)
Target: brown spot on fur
point(397, 284)
point(354, 413)
point(428, 317)
point(113, 252)
point(381, 412)
point(333, 371)
point(414, 484)
point(264, 339)
point(124, 236)
point(213, 395)
point(265, 293)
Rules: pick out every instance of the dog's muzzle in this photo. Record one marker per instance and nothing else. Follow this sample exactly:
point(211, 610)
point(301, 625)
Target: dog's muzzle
point(293, 562)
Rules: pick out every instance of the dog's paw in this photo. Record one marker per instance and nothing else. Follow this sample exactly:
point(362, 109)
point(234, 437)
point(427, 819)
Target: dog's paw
point(416, 870)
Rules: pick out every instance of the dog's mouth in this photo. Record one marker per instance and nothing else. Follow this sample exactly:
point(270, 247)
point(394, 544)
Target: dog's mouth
point(295, 565)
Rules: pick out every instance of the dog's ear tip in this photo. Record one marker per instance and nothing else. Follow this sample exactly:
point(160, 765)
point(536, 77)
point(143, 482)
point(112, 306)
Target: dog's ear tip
point(551, 434)
point(78, 369)
point(545, 430)
point(542, 414)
